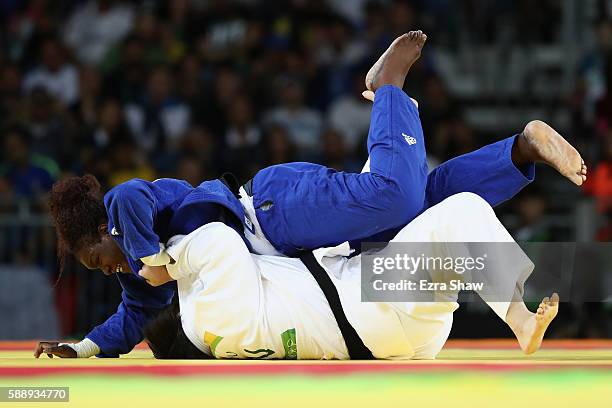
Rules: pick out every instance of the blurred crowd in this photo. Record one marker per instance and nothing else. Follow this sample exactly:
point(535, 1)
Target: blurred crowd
point(193, 88)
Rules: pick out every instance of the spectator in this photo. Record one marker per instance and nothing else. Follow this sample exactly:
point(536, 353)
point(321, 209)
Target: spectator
point(226, 32)
point(604, 234)
point(95, 27)
point(190, 83)
point(603, 108)
point(341, 51)
point(127, 162)
point(353, 10)
point(190, 169)
point(242, 140)
point(531, 208)
point(436, 106)
point(279, 148)
point(127, 71)
point(400, 15)
point(592, 68)
point(90, 86)
point(350, 115)
point(11, 104)
point(302, 123)
point(54, 74)
point(47, 126)
point(111, 126)
point(149, 30)
point(599, 183)
point(335, 154)
point(242, 131)
point(227, 86)
point(161, 119)
point(200, 143)
point(27, 174)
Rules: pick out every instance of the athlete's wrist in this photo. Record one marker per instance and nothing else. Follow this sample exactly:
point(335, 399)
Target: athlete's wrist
point(84, 349)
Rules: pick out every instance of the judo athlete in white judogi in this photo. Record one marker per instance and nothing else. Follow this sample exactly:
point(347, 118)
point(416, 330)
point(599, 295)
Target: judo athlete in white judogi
point(235, 304)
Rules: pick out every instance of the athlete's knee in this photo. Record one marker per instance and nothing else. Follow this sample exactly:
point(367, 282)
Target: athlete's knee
point(466, 204)
point(399, 202)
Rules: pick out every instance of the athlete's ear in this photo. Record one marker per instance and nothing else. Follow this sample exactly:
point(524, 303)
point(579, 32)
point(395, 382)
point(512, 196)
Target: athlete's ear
point(103, 229)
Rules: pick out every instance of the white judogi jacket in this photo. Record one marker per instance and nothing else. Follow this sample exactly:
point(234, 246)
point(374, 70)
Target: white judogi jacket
point(235, 304)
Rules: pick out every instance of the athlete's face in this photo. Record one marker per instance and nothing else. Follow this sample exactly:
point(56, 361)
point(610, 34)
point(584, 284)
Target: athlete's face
point(104, 255)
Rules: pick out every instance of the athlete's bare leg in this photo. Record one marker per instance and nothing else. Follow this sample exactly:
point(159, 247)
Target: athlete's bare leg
point(528, 327)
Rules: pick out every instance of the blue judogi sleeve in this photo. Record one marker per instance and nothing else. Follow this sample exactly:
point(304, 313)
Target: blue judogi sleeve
point(124, 329)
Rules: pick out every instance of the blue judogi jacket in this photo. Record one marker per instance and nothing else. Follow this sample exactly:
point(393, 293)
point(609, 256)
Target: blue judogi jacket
point(142, 214)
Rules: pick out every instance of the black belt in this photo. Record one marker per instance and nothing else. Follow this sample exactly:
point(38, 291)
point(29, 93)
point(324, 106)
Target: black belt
point(248, 187)
point(356, 349)
point(226, 216)
point(232, 184)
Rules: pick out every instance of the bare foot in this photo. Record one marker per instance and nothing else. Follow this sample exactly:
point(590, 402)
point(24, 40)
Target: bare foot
point(541, 143)
point(530, 331)
point(393, 66)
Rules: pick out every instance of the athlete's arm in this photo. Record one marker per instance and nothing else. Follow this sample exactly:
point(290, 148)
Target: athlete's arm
point(124, 329)
point(131, 208)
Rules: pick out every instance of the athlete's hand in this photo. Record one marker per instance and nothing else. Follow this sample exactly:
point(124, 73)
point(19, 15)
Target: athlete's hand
point(53, 348)
point(155, 275)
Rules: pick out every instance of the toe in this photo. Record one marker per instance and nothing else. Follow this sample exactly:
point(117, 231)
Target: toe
point(577, 179)
point(369, 95)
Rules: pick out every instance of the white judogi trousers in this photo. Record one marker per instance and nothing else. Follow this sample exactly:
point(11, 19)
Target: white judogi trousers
point(464, 217)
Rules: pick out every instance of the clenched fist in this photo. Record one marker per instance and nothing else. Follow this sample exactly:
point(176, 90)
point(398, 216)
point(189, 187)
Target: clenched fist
point(155, 275)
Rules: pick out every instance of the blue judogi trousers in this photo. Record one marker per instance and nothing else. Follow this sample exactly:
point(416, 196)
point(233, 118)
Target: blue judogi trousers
point(305, 206)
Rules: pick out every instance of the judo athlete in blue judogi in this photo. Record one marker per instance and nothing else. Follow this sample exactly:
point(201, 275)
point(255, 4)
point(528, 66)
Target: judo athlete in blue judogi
point(292, 207)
